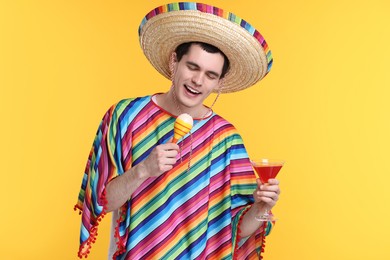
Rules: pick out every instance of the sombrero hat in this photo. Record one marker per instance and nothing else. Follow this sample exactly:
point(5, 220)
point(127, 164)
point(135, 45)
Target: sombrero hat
point(167, 26)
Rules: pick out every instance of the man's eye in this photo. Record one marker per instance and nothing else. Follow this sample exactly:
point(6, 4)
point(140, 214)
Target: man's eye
point(211, 76)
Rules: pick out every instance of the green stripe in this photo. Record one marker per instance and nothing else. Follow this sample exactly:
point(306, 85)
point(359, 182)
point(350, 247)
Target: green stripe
point(150, 140)
point(218, 208)
point(184, 243)
point(241, 189)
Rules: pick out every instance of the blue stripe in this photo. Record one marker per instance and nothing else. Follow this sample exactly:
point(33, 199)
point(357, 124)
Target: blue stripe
point(190, 6)
point(130, 112)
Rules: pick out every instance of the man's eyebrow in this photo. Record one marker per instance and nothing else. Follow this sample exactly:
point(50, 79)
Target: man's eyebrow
point(197, 66)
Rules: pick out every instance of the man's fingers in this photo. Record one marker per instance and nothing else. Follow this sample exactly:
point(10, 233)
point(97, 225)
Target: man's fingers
point(171, 153)
point(273, 182)
point(271, 201)
point(263, 193)
point(170, 146)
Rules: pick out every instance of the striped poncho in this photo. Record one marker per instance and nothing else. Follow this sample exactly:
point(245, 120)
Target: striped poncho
point(181, 214)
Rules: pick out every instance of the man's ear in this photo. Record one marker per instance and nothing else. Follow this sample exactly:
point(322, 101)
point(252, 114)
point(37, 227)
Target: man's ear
point(174, 57)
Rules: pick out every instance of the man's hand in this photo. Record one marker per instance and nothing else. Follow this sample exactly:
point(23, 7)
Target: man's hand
point(266, 195)
point(161, 159)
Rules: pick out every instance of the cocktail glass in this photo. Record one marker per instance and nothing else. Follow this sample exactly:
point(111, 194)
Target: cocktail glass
point(267, 169)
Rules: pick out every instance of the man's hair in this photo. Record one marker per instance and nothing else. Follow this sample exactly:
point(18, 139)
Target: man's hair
point(183, 49)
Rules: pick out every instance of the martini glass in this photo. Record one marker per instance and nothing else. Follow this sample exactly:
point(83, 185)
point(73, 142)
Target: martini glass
point(267, 169)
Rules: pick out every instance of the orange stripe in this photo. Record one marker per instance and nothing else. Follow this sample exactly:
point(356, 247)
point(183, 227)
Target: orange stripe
point(149, 128)
point(184, 124)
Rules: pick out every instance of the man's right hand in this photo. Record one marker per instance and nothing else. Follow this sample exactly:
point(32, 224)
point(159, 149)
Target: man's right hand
point(161, 159)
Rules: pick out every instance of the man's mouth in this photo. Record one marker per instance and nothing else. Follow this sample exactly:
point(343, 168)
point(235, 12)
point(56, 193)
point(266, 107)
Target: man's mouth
point(191, 90)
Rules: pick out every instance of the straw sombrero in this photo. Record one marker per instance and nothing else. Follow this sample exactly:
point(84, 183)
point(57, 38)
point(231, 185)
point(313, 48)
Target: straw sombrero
point(167, 26)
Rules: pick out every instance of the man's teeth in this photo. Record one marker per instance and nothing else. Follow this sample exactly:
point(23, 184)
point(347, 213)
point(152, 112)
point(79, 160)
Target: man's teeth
point(192, 90)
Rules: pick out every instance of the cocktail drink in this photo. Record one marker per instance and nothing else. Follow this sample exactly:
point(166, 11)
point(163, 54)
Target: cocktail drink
point(267, 169)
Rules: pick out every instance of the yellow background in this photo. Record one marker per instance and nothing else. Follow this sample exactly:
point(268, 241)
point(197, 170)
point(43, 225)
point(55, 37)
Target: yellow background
point(324, 108)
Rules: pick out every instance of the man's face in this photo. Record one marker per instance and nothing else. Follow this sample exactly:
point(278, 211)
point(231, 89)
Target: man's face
point(196, 75)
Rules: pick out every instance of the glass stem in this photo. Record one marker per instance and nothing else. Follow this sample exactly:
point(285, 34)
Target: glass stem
point(266, 214)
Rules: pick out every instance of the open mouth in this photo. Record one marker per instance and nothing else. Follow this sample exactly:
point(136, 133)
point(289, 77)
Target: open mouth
point(191, 90)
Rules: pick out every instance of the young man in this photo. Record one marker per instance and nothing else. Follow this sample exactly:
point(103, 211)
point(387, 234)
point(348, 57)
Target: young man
point(197, 199)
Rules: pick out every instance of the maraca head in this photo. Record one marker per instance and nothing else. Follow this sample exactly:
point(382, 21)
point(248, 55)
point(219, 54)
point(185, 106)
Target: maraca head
point(183, 125)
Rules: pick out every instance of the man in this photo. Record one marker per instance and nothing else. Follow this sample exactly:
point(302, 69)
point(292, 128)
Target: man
point(198, 199)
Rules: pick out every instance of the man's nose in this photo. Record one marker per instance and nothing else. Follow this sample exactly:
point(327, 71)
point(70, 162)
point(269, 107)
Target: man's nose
point(197, 78)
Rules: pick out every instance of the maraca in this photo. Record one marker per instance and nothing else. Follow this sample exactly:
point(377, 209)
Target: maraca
point(183, 125)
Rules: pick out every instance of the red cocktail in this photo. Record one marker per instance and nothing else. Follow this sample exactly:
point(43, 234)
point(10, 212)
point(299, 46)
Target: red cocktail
point(267, 169)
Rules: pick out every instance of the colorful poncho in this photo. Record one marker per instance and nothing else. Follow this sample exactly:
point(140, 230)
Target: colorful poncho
point(181, 214)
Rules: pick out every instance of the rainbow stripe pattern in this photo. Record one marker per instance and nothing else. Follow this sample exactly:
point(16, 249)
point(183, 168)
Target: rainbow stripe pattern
point(180, 6)
point(180, 214)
